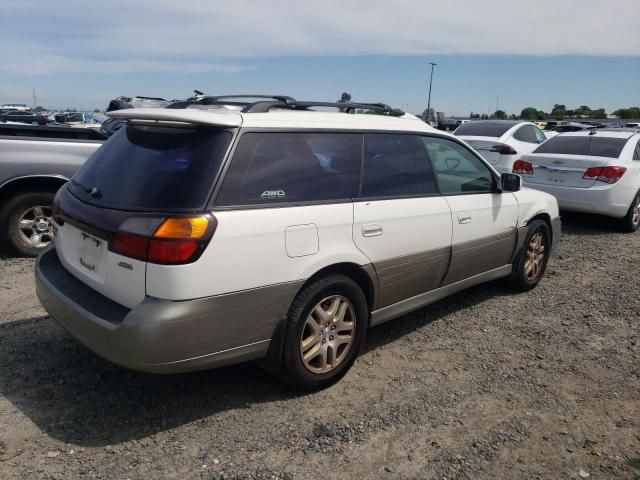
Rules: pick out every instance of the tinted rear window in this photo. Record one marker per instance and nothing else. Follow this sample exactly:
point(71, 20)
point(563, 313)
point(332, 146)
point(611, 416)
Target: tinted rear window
point(589, 145)
point(272, 168)
point(153, 168)
point(483, 129)
point(396, 165)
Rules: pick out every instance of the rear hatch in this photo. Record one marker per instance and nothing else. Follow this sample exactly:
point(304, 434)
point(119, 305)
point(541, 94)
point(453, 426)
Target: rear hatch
point(565, 159)
point(140, 177)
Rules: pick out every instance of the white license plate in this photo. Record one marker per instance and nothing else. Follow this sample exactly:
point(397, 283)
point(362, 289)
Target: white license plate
point(90, 252)
point(556, 177)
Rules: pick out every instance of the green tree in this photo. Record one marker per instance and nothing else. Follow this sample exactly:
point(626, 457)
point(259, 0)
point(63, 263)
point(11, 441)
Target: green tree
point(500, 114)
point(96, 110)
point(39, 109)
point(345, 97)
point(628, 113)
point(583, 111)
point(599, 113)
point(559, 111)
point(529, 113)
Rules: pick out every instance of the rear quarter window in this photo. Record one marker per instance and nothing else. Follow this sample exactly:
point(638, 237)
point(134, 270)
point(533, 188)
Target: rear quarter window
point(275, 168)
point(587, 145)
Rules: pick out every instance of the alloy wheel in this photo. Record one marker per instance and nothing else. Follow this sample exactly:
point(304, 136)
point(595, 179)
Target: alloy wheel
point(328, 334)
point(34, 226)
point(535, 257)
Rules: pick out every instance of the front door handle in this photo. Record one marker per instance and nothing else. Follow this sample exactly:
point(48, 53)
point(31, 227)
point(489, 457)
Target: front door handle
point(371, 230)
point(464, 218)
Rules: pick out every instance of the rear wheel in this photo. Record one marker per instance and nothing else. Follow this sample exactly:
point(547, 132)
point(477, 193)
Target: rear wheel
point(325, 330)
point(531, 263)
point(25, 223)
point(631, 220)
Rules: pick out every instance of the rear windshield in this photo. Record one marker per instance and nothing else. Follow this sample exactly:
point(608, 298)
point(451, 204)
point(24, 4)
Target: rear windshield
point(483, 129)
point(588, 145)
point(152, 168)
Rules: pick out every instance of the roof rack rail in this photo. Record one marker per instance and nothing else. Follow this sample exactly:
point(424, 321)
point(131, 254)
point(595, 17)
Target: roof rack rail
point(265, 103)
point(347, 107)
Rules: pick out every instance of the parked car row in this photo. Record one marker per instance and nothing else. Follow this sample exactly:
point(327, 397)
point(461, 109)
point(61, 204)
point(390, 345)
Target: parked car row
point(587, 169)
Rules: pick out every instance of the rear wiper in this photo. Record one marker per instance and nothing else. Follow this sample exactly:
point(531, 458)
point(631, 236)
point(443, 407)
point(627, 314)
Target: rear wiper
point(91, 191)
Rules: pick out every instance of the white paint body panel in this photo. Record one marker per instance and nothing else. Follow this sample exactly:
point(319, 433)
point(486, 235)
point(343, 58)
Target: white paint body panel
point(482, 215)
point(248, 250)
point(407, 226)
point(122, 285)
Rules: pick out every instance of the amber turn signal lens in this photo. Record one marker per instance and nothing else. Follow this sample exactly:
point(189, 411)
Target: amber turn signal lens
point(186, 227)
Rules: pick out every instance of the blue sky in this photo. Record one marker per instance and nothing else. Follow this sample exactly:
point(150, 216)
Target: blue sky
point(81, 54)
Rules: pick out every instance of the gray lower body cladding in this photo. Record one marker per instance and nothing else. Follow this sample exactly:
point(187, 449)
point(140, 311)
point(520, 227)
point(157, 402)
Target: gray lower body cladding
point(409, 275)
point(163, 336)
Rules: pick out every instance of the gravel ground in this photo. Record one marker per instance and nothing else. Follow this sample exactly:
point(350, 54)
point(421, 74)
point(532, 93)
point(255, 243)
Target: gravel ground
point(485, 384)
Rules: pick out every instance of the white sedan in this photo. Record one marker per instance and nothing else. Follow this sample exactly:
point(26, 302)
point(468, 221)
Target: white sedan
point(592, 172)
point(501, 142)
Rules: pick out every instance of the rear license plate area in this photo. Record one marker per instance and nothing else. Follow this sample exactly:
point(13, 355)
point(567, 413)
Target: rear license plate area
point(556, 176)
point(90, 252)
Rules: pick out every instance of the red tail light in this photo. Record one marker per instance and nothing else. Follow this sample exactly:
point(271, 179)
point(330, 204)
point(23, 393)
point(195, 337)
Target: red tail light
point(133, 246)
point(503, 149)
point(522, 167)
point(604, 174)
point(176, 240)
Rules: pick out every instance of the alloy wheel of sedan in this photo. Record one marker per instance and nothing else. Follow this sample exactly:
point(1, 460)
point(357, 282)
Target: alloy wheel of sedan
point(328, 334)
point(535, 257)
point(34, 226)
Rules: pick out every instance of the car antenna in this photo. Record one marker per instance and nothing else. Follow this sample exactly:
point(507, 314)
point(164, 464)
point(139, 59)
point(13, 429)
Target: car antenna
point(198, 92)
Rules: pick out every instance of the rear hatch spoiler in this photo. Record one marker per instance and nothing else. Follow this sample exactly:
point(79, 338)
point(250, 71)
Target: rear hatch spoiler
point(223, 118)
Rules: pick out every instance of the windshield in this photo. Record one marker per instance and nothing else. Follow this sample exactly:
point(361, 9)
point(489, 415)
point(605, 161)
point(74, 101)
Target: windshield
point(588, 145)
point(483, 129)
point(153, 168)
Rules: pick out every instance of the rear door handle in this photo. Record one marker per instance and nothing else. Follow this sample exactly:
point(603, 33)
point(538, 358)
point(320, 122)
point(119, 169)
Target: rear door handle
point(464, 218)
point(371, 230)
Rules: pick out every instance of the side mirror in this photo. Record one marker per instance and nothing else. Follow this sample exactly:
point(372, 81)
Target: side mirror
point(510, 182)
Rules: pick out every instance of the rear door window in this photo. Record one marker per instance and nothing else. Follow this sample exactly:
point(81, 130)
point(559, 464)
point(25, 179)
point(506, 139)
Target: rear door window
point(275, 168)
point(153, 168)
point(457, 169)
point(526, 133)
point(587, 145)
point(396, 166)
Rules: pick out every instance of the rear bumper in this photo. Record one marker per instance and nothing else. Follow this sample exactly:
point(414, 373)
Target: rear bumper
point(604, 200)
point(163, 336)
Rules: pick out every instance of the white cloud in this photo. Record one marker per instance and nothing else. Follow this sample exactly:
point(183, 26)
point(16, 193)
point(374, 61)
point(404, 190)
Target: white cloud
point(196, 36)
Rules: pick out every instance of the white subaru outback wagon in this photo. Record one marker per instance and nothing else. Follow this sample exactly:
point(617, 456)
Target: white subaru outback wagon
point(224, 231)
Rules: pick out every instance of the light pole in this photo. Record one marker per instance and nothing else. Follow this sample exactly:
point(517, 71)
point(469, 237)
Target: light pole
point(430, 83)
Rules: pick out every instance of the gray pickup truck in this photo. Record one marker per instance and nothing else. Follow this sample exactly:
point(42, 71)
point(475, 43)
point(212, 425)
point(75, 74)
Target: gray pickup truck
point(34, 163)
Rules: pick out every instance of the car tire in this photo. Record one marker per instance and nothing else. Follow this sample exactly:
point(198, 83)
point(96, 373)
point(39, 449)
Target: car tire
point(531, 263)
point(25, 223)
point(631, 221)
point(326, 327)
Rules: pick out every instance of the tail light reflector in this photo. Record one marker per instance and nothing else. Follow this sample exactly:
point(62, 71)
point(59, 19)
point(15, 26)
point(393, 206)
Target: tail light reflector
point(504, 149)
point(608, 175)
point(176, 240)
point(523, 168)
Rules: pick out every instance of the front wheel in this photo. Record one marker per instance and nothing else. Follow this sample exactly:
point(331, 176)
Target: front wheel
point(326, 328)
point(25, 222)
point(631, 220)
point(531, 263)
